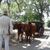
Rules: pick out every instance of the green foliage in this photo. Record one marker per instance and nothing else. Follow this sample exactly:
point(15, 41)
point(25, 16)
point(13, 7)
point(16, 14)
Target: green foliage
point(23, 18)
point(49, 1)
point(4, 7)
point(13, 9)
point(36, 17)
point(33, 17)
point(32, 9)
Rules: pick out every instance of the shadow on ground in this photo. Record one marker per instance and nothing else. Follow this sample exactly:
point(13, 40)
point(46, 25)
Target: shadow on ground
point(44, 36)
point(26, 46)
point(41, 43)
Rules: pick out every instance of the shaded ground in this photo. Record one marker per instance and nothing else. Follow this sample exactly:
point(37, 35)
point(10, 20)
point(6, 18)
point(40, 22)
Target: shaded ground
point(42, 43)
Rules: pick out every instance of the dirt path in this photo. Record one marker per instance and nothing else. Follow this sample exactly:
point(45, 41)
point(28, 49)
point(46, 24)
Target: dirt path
point(42, 43)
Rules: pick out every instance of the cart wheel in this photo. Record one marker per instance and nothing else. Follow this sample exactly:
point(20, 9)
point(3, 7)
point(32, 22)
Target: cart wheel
point(41, 31)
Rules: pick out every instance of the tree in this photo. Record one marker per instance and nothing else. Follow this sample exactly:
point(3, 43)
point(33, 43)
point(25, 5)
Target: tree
point(41, 6)
point(35, 7)
point(31, 8)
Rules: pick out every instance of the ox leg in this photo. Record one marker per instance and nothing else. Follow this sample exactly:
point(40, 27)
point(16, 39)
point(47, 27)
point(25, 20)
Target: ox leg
point(26, 38)
point(21, 37)
point(18, 36)
point(33, 35)
point(29, 40)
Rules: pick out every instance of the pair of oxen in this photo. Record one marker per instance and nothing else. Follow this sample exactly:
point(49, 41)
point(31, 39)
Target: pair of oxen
point(29, 28)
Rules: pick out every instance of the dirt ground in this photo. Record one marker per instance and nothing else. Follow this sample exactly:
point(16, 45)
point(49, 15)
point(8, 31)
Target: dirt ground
point(42, 43)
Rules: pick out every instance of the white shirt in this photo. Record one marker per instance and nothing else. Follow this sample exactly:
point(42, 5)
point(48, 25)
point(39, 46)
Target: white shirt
point(5, 21)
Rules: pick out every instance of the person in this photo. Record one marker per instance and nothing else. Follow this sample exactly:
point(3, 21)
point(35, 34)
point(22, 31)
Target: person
point(5, 25)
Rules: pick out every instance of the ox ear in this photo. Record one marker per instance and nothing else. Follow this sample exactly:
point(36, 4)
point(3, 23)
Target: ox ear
point(33, 23)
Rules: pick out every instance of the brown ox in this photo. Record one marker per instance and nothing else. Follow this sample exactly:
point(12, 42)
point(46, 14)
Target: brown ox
point(18, 26)
point(32, 28)
point(39, 29)
point(28, 28)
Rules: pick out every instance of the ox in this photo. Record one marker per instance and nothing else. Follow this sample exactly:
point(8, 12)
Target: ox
point(18, 26)
point(29, 29)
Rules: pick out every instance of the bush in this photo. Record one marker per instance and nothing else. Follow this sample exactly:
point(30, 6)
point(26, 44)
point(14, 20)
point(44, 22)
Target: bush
point(48, 23)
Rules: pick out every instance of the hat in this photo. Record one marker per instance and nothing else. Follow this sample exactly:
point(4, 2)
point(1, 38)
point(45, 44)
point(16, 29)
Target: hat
point(5, 12)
